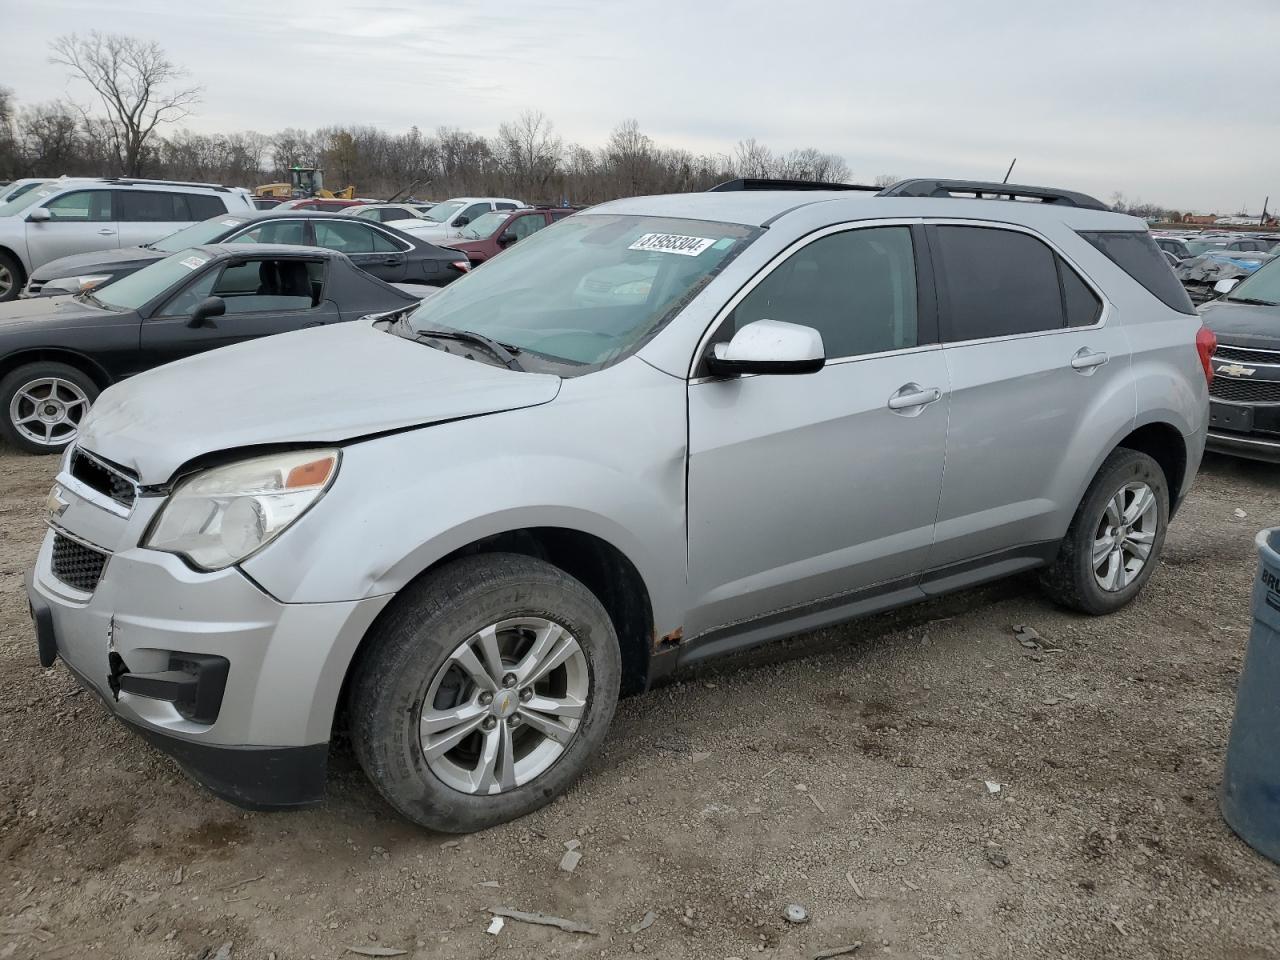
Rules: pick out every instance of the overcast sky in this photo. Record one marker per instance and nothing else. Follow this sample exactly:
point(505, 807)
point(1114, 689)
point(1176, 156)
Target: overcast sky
point(1167, 101)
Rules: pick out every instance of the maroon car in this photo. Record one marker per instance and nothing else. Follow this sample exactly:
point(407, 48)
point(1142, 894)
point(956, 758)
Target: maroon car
point(489, 234)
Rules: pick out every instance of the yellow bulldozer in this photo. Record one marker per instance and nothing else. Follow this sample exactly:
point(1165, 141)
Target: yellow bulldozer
point(304, 182)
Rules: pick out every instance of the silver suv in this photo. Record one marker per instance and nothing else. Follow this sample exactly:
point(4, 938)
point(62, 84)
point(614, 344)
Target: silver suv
point(660, 430)
point(65, 217)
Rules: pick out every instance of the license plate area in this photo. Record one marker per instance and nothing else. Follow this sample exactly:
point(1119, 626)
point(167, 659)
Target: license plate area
point(1227, 416)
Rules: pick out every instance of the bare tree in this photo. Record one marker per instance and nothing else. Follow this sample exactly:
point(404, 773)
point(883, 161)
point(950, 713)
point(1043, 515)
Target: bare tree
point(530, 151)
point(138, 87)
point(886, 179)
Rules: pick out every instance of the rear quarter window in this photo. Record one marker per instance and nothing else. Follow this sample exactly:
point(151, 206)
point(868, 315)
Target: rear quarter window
point(1134, 252)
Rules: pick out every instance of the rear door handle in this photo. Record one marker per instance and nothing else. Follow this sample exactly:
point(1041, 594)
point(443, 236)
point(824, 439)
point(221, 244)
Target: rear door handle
point(106, 232)
point(911, 395)
point(1085, 359)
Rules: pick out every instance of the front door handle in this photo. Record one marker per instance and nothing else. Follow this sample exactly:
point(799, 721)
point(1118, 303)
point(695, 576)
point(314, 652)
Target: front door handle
point(106, 232)
point(912, 395)
point(1085, 360)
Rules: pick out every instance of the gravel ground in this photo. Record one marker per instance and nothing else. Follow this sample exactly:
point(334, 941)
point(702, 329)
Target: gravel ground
point(844, 771)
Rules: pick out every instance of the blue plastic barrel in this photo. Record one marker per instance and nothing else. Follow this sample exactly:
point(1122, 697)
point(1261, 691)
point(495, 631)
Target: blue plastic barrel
point(1251, 780)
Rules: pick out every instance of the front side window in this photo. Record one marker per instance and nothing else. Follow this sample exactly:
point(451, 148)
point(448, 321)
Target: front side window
point(348, 237)
point(589, 292)
point(85, 206)
point(995, 283)
point(474, 212)
point(521, 227)
point(254, 286)
point(1134, 252)
point(856, 288)
point(292, 232)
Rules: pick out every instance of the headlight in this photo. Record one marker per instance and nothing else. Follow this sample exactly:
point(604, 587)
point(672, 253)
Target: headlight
point(78, 284)
point(221, 516)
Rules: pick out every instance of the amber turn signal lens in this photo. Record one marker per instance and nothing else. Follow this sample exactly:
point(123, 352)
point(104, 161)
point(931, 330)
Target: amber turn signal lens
point(311, 474)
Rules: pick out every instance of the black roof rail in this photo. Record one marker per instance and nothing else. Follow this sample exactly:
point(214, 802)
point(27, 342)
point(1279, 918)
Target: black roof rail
point(994, 191)
point(766, 183)
point(138, 181)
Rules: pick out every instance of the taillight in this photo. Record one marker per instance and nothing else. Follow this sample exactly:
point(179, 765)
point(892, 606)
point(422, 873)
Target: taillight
point(462, 266)
point(1206, 344)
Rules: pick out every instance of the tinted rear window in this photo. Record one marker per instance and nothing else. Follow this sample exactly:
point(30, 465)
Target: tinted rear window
point(202, 206)
point(1134, 252)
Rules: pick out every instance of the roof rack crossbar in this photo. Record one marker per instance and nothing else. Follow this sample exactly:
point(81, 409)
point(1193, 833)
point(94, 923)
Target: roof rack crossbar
point(990, 190)
point(767, 183)
point(164, 183)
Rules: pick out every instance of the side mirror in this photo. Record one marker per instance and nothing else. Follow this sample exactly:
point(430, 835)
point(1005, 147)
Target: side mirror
point(462, 221)
point(769, 346)
point(39, 215)
point(206, 309)
point(507, 239)
point(1226, 286)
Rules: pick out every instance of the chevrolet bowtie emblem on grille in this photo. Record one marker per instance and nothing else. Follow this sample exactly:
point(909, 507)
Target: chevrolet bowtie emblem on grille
point(1236, 370)
point(54, 505)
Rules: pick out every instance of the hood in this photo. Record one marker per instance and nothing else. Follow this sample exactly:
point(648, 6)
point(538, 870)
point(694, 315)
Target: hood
point(130, 258)
point(323, 385)
point(1243, 324)
point(65, 310)
point(467, 246)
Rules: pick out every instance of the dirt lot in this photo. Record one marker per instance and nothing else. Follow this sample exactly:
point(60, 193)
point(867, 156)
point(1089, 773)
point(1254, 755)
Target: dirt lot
point(843, 771)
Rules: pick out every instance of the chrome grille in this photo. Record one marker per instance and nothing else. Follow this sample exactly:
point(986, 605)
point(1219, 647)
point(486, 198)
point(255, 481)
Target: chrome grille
point(1243, 355)
point(104, 477)
point(1244, 390)
point(77, 565)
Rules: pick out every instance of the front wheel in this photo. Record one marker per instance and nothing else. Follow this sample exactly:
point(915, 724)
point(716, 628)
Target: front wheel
point(1115, 538)
point(486, 690)
point(43, 405)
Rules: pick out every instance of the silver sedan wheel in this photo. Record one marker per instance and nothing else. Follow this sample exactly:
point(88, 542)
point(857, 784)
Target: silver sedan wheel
point(504, 706)
point(48, 410)
point(7, 280)
point(1125, 536)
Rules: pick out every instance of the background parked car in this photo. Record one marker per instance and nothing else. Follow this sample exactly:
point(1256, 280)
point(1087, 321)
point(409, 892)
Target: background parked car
point(491, 233)
point(385, 212)
point(318, 203)
point(1201, 273)
point(384, 251)
point(79, 216)
point(1244, 410)
point(445, 220)
point(1173, 246)
point(199, 298)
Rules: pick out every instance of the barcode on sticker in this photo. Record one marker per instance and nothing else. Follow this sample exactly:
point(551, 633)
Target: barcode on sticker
point(672, 243)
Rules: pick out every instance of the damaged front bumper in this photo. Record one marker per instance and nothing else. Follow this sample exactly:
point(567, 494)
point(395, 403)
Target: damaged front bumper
point(235, 685)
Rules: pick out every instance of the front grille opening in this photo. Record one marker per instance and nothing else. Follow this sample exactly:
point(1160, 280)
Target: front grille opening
point(76, 565)
point(1244, 355)
point(1242, 390)
point(112, 481)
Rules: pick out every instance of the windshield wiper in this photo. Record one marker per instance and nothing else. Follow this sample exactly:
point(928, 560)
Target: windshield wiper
point(503, 351)
point(1253, 302)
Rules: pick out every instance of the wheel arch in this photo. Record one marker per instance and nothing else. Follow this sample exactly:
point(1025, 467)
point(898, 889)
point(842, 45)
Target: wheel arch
point(13, 254)
point(93, 370)
point(1164, 444)
point(600, 566)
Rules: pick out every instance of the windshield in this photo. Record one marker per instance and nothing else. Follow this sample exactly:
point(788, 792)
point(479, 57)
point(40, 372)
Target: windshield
point(443, 211)
point(13, 192)
point(588, 290)
point(140, 288)
point(28, 199)
point(197, 234)
point(1197, 247)
point(1262, 287)
point(485, 224)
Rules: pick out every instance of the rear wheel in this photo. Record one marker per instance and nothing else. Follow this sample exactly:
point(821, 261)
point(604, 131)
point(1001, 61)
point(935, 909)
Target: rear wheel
point(43, 405)
point(485, 692)
point(1115, 538)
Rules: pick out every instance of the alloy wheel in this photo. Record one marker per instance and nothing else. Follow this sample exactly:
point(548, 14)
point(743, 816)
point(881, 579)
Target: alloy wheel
point(1125, 535)
point(48, 411)
point(504, 706)
point(6, 281)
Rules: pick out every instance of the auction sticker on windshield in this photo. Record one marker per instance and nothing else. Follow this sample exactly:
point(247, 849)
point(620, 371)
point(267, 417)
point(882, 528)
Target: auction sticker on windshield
point(672, 243)
point(192, 263)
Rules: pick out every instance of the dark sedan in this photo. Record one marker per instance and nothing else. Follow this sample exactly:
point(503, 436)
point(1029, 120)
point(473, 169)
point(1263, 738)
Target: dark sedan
point(1244, 408)
point(58, 353)
point(387, 253)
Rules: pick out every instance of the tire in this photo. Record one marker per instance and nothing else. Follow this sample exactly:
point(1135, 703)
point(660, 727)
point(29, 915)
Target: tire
point(1073, 580)
point(12, 277)
point(411, 672)
point(23, 421)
